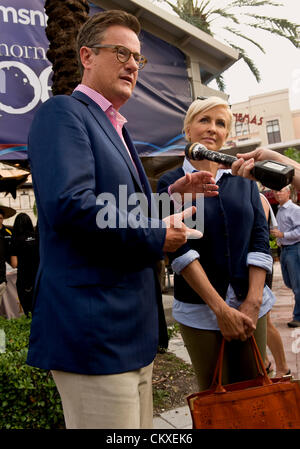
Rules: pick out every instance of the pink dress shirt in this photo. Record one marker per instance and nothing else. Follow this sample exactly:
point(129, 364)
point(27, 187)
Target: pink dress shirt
point(116, 119)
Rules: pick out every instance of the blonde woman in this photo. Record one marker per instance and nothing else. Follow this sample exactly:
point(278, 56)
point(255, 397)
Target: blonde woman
point(219, 282)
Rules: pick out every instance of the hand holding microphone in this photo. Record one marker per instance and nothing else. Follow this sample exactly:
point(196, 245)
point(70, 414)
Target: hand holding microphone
point(271, 174)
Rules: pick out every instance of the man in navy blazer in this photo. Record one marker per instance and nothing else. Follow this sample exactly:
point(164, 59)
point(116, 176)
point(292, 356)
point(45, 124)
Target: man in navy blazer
point(98, 307)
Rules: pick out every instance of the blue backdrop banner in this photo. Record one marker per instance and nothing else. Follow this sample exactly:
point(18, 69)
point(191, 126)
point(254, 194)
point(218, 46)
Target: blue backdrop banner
point(25, 72)
point(155, 112)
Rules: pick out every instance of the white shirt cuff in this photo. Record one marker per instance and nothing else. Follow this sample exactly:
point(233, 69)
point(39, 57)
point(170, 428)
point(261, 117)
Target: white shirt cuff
point(183, 261)
point(261, 260)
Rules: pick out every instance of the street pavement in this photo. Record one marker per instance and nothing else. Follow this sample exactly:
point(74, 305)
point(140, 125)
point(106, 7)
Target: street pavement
point(281, 314)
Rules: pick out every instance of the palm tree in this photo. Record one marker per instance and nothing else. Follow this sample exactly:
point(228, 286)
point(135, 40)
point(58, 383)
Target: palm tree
point(64, 20)
point(205, 14)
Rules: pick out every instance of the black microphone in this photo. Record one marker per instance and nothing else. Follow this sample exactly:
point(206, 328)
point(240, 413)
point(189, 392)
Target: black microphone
point(271, 174)
point(198, 152)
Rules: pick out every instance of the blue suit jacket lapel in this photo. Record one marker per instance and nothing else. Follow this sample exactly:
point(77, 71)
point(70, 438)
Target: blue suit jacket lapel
point(139, 166)
point(110, 131)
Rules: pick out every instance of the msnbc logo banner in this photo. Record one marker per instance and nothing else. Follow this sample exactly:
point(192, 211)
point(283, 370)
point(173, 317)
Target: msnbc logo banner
point(24, 72)
point(155, 112)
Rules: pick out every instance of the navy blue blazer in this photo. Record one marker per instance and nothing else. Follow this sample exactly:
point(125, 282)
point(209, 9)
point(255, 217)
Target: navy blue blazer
point(234, 225)
point(98, 300)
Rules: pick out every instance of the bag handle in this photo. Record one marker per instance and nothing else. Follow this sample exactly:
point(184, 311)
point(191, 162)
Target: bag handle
point(258, 361)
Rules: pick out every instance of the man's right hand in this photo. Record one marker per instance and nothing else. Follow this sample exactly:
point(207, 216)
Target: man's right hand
point(234, 325)
point(177, 232)
point(198, 182)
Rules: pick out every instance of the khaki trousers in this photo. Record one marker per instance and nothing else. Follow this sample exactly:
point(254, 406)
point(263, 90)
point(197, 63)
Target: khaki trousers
point(114, 401)
point(238, 364)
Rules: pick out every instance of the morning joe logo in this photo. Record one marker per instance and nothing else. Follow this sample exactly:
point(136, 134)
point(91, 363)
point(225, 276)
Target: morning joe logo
point(2, 82)
point(22, 83)
point(8, 14)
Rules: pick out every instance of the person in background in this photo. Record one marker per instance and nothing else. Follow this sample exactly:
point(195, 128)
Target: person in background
point(288, 238)
point(25, 257)
point(219, 279)
point(5, 246)
point(245, 163)
point(274, 341)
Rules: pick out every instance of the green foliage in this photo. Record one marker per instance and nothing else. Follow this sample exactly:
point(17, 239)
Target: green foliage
point(273, 242)
point(293, 153)
point(173, 330)
point(220, 83)
point(205, 15)
point(35, 209)
point(28, 396)
point(159, 396)
point(248, 61)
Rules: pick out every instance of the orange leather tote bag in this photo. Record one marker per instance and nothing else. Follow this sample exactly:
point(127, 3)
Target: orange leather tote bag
point(261, 403)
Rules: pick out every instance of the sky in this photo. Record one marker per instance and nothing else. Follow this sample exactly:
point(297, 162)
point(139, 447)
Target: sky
point(279, 66)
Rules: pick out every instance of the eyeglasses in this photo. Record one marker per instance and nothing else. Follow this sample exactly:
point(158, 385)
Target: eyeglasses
point(123, 54)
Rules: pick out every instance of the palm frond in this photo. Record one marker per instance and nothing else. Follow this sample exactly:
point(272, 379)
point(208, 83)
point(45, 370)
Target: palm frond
point(187, 7)
point(203, 14)
point(220, 83)
point(203, 5)
point(250, 63)
point(244, 3)
point(282, 24)
point(224, 14)
point(293, 39)
point(174, 7)
point(204, 8)
point(197, 22)
point(237, 33)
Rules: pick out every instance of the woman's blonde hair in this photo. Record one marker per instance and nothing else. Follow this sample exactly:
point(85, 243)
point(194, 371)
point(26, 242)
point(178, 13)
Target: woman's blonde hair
point(202, 106)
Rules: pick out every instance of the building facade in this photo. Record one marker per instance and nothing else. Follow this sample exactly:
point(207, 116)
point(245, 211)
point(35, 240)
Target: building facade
point(265, 120)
